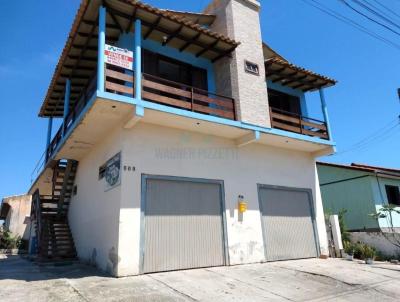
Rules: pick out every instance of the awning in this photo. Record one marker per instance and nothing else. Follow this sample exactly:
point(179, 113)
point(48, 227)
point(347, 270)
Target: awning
point(78, 60)
point(281, 71)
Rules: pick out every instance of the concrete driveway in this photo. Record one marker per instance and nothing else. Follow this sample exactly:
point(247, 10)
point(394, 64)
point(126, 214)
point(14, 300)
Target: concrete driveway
point(300, 280)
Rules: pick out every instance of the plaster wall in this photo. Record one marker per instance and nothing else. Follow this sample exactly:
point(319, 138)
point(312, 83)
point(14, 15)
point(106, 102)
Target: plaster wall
point(17, 220)
point(94, 212)
point(152, 149)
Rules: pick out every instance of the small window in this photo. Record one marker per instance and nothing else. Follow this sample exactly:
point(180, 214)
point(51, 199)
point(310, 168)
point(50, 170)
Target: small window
point(393, 194)
point(102, 171)
point(251, 68)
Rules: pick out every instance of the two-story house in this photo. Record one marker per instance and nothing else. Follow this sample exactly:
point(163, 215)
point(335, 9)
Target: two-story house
point(184, 143)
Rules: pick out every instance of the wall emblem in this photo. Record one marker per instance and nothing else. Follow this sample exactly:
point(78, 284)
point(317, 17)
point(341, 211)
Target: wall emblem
point(113, 172)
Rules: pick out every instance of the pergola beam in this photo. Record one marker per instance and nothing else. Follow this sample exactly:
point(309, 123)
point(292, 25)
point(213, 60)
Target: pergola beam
point(284, 77)
point(224, 54)
point(173, 35)
point(109, 25)
point(131, 19)
point(83, 58)
point(204, 50)
point(152, 28)
point(84, 68)
point(304, 83)
point(187, 44)
point(113, 17)
point(167, 32)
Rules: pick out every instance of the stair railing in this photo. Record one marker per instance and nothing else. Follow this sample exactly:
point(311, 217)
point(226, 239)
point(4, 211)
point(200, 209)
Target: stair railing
point(37, 210)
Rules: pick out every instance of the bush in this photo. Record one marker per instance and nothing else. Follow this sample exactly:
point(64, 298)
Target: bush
point(7, 241)
point(358, 250)
point(348, 247)
point(368, 251)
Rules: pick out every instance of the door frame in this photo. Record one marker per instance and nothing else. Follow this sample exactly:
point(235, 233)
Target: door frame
point(146, 177)
point(313, 216)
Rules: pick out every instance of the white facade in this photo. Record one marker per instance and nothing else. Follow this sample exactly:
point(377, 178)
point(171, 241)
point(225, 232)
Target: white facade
point(107, 225)
point(155, 139)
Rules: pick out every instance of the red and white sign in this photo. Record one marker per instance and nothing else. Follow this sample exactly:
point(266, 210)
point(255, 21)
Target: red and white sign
point(118, 57)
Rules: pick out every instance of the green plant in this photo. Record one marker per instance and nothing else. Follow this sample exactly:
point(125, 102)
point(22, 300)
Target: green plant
point(7, 241)
point(368, 251)
point(358, 250)
point(342, 225)
point(348, 247)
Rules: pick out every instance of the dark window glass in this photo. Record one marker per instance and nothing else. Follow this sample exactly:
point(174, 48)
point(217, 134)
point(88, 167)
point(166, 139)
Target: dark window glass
point(283, 101)
point(170, 71)
point(393, 194)
point(174, 70)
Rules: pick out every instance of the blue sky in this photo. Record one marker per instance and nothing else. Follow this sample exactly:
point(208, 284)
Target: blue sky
point(364, 100)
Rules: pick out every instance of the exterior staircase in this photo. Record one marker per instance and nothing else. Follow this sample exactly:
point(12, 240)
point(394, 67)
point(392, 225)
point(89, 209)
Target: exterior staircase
point(50, 213)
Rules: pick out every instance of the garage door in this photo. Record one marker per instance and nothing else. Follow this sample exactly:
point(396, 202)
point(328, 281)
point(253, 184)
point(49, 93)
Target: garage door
point(183, 224)
point(288, 223)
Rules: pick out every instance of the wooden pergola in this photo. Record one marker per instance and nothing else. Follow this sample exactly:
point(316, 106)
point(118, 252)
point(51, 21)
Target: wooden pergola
point(78, 61)
point(280, 71)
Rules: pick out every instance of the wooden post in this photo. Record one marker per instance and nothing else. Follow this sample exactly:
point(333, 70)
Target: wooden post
point(301, 124)
point(192, 97)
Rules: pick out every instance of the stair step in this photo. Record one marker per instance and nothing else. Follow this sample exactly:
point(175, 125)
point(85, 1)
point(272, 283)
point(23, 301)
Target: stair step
point(58, 247)
point(57, 241)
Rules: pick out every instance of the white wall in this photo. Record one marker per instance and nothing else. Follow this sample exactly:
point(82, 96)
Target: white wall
point(165, 151)
point(378, 241)
point(94, 213)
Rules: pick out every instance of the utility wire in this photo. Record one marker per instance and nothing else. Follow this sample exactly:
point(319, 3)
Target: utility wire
point(387, 8)
point(371, 10)
point(368, 17)
point(377, 133)
point(378, 141)
point(350, 22)
point(380, 135)
point(384, 12)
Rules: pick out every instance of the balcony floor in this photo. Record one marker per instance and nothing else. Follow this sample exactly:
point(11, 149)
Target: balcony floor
point(106, 115)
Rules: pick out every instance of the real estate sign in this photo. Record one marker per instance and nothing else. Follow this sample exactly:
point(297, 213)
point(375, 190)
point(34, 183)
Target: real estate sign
point(118, 57)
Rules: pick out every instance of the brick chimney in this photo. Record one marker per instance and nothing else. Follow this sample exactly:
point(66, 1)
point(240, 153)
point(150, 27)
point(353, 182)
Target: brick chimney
point(240, 20)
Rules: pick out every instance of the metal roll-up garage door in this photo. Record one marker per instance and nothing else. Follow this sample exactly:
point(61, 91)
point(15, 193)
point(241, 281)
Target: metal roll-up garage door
point(288, 223)
point(182, 224)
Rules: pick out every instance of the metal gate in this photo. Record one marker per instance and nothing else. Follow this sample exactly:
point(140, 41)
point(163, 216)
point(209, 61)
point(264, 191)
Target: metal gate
point(288, 223)
point(182, 224)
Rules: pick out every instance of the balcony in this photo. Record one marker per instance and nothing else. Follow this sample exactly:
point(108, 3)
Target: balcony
point(169, 93)
point(297, 123)
point(154, 89)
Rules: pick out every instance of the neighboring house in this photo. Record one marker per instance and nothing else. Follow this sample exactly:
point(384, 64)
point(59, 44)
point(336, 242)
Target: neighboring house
point(15, 211)
point(153, 169)
point(362, 190)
